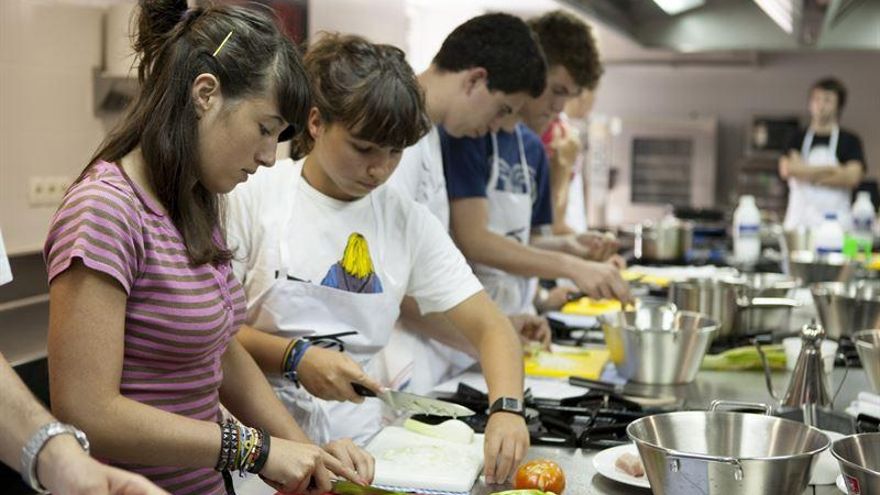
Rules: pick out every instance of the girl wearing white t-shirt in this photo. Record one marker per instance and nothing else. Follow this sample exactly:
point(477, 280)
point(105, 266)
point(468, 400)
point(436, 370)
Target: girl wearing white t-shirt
point(327, 255)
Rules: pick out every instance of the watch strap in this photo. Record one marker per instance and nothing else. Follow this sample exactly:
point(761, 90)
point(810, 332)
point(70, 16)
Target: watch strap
point(507, 404)
point(31, 450)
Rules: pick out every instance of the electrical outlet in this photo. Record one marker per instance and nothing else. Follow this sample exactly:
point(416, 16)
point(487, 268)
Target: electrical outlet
point(47, 191)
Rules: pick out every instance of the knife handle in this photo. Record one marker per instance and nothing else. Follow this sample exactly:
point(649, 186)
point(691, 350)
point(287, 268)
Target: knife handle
point(362, 390)
point(593, 384)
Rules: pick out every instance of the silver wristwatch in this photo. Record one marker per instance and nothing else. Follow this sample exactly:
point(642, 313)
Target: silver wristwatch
point(33, 447)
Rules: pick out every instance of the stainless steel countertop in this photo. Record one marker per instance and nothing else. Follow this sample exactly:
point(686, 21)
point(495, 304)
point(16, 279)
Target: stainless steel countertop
point(582, 478)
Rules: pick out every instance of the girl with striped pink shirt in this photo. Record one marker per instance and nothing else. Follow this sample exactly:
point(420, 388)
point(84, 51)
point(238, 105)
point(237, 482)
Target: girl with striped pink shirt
point(144, 304)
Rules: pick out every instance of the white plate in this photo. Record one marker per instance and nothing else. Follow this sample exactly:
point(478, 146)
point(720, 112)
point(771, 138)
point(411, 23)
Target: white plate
point(841, 485)
point(827, 468)
point(604, 464)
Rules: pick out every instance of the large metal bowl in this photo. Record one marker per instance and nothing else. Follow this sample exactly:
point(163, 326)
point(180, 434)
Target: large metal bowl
point(657, 344)
point(846, 308)
point(868, 346)
point(726, 453)
point(812, 268)
point(859, 459)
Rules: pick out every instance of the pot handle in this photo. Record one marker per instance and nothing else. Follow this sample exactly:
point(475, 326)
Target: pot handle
point(675, 458)
point(759, 406)
point(770, 302)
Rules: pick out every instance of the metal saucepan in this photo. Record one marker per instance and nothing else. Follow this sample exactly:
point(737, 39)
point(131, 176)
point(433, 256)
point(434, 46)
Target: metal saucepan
point(668, 240)
point(868, 346)
point(726, 453)
point(812, 268)
point(657, 344)
point(743, 305)
point(846, 308)
point(859, 459)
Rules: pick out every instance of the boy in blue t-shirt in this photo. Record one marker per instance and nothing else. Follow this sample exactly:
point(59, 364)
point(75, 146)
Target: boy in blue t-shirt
point(499, 220)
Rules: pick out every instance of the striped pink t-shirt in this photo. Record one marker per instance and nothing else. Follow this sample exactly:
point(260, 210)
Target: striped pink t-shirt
point(179, 318)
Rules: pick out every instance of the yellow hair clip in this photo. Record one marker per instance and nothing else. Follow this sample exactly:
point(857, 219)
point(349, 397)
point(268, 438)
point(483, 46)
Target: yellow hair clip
point(222, 43)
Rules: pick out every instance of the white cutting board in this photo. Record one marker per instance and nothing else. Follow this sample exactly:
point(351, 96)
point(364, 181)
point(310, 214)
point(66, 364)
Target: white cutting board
point(406, 459)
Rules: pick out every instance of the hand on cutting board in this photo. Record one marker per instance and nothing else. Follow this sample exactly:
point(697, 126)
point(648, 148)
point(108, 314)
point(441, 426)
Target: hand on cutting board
point(600, 281)
point(353, 457)
point(505, 446)
point(617, 261)
point(532, 329)
point(594, 246)
point(328, 374)
point(303, 468)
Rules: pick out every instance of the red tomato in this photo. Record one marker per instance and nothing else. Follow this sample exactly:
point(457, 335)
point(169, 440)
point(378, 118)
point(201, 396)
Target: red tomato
point(542, 474)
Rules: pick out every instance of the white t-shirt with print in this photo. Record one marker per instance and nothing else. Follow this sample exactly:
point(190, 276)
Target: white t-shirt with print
point(420, 175)
point(414, 257)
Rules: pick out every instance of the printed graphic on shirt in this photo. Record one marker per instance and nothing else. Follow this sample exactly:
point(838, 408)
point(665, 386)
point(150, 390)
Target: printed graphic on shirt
point(354, 272)
point(511, 178)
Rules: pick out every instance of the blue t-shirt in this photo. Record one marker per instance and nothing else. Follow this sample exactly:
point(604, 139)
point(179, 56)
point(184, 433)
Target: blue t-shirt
point(467, 164)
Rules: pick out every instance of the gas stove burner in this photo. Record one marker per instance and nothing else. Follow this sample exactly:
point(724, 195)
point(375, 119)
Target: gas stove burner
point(594, 420)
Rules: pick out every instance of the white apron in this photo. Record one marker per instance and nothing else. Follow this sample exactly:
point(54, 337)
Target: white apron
point(808, 203)
point(298, 309)
point(510, 215)
point(432, 184)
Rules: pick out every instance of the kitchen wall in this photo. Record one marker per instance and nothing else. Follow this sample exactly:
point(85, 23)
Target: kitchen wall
point(775, 84)
point(47, 125)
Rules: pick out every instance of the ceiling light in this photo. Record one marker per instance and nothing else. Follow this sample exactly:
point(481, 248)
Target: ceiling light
point(673, 7)
point(781, 11)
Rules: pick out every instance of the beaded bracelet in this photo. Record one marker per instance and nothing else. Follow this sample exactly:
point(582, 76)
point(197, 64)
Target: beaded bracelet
point(264, 453)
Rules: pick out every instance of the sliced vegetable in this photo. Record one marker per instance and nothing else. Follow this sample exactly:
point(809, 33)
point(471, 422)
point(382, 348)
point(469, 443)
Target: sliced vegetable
point(453, 430)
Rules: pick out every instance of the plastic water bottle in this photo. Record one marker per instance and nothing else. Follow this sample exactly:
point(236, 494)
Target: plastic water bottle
point(862, 234)
point(747, 231)
point(829, 237)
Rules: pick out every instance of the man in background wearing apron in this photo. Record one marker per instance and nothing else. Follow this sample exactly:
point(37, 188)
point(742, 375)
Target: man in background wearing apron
point(823, 163)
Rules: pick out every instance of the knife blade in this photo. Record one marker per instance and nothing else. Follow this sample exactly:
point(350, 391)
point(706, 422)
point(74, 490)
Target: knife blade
point(415, 404)
point(344, 487)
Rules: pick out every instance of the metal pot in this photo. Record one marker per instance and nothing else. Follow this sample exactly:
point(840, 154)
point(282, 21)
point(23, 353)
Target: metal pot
point(812, 268)
point(859, 459)
point(868, 346)
point(657, 344)
point(726, 453)
point(846, 308)
point(743, 305)
point(668, 240)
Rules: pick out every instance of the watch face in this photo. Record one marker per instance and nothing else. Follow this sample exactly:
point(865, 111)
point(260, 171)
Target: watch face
point(511, 404)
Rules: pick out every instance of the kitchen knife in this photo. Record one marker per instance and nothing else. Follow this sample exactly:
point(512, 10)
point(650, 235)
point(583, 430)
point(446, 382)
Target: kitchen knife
point(415, 404)
point(343, 487)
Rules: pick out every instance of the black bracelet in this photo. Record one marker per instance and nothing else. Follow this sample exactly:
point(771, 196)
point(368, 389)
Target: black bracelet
point(227, 441)
point(264, 453)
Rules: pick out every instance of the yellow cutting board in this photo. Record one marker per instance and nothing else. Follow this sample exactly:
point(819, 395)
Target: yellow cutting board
point(586, 363)
point(591, 307)
point(656, 280)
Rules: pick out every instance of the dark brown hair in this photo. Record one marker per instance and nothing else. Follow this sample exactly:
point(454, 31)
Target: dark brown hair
point(503, 45)
point(832, 84)
point(174, 46)
point(569, 42)
point(369, 88)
